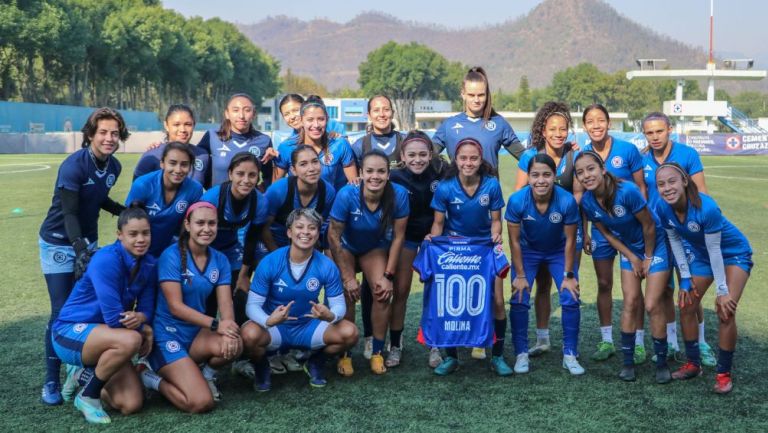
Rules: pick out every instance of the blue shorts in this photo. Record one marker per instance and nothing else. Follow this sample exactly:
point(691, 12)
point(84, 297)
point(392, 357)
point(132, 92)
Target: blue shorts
point(57, 259)
point(555, 263)
point(382, 244)
point(579, 238)
point(304, 334)
point(601, 248)
point(700, 266)
point(659, 263)
point(170, 345)
point(68, 340)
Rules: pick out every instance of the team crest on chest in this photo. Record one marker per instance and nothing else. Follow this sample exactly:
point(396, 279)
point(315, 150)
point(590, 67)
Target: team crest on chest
point(484, 200)
point(619, 211)
point(433, 185)
point(198, 164)
point(327, 159)
point(313, 284)
point(617, 162)
point(214, 277)
point(693, 226)
point(181, 206)
point(490, 125)
point(255, 151)
point(110, 180)
point(555, 217)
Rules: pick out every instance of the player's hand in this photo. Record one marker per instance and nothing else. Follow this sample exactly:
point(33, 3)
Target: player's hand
point(725, 306)
point(382, 290)
point(647, 265)
point(82, 258)
point(132, 319)
point(496, 238)
point(520, 285)
point(352, 289)
point(637, 266)
point(228, 328)
point(572, 285)
point(280, 315)
point(575, 146)
point(428, 237)
point(231, 347)
point(154, 145)
point(587, 246)
point(147, 340)
point(320, 311)
point(269, 155)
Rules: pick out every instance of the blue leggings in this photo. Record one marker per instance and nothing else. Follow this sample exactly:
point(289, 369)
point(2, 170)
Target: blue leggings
point(59, 288)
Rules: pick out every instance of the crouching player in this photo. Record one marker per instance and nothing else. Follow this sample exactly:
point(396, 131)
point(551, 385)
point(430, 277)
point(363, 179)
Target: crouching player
point(284, 306)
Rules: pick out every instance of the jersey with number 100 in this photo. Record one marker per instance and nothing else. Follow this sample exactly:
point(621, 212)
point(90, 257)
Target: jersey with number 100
point(458, 275)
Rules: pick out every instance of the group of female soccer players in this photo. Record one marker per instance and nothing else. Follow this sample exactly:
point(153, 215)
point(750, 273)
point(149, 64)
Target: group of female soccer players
point(223, 247)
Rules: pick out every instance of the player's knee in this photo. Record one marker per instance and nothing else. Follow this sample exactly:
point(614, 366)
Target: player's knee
point(653, 306)
point(200, 404)
point(632, 302)
point(254, 336)
point(604, 285)
point(349, 333)
point(128, 343)
point(130, 405)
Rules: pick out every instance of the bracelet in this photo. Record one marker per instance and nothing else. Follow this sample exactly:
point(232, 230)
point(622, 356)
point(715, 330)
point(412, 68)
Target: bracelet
point(389, 275)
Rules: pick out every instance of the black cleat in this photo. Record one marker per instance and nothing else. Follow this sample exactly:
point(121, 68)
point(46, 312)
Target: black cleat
point(627, 373)
point(663, 375)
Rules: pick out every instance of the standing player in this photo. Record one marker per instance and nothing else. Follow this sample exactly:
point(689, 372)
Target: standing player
point(179, 126)
point(284, 306)
point(189, 271)
point(69, 232)
point(381, 134)
point(419, 175)
point(541, 221)
point(721, 254)
point(367, 229)
point(105, 322)
point(619, 211)
point(661, 149)
point(468, 203)
point(166, 193)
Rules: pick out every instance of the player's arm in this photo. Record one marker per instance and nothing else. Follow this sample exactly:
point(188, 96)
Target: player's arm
point(639, 179)
point(437, 225)
point(496, 226)
point(346, 267)
point(521, 180)
point(180, 310)
point(266, 234)
point(698, 179)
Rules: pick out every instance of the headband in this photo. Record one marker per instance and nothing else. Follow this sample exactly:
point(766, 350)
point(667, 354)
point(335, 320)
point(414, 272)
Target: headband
point(471, 141)
point(676, 167)
point(558, 113)
point(312, 104)
point(198, 205)
point(594, 154)
point(416, 140)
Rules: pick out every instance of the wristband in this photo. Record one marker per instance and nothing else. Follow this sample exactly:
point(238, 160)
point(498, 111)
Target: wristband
point(685, 284)
point(389, 275)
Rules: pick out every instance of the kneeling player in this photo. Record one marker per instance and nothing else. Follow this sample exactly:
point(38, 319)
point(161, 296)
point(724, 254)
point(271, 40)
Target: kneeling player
point(284, 307)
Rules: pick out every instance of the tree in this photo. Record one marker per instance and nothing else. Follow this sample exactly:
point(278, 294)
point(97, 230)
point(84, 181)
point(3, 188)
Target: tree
point(302, 85)
point(407, 72)
point(524, 102)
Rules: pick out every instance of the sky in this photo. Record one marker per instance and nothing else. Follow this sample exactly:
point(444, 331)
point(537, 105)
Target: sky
point(739, 24)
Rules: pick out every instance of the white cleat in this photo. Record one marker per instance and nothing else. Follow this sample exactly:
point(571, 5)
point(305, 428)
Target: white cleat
point(522, 364)
point(571, 364)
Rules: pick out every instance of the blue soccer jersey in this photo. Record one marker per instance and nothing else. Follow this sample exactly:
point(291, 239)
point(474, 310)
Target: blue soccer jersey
point(682, 154)
point(79, 173)
point(623, 159)
point(278, 194)
point(230, 220)
point(284, 151)
point(196, 285)
point(332, 160)
point(543, 232)
point(274, 281)
point(492, 135)
point(362, 227)
point(150, 161)
point(458, 276)
point(222, 153)
point(564, 176)
point(165, 218)
point(106, 289)
point(467, 215)
point(385, 143)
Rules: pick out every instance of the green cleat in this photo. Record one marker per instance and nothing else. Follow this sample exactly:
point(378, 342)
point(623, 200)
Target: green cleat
point(604, 351)
point(707, 355)
point(500, 366)
point(448, 366)
point(640, 356)
point(92, 410)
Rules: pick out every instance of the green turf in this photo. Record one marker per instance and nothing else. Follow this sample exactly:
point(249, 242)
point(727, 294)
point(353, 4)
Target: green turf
point(409, 398)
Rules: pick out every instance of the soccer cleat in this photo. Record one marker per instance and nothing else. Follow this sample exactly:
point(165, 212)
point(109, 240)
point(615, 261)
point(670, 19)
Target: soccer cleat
point(214, 389)
point(522, 364)
point(244, 368)
point(500, 366)
point(276, 365)
point(290, 362)
point(541, 347)
point(393, 357)
point(689, 370)
point(672, 353)
point(640, 356)
point(478, 353)
point(51, 395)
point(663, 375)
point(368, 349)
point(435, 358)
point(69, 389)
point(93, 412)
point(262, 381)
point(377, 364)
point(344, 366)
point(707, 355)
point(315, 372)
point(627, 373)
point(571, 364)
point(605, 350)
point(723, 383)
point(448, 366)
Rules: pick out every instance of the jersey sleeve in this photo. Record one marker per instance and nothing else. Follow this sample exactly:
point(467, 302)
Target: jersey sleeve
point(497, 197)
point(586, 206)
point(225, 270)
point(525, 158)
point(146, 301)
point(147, 164)
point(196, 191)
point(346, 156)
point(634, 159)
point(106, 278)
point(693, 162)
point(712, 220)
point(261, 278)
point(513, 212)
point(262, 209)
point(333, 285)
point(70, 175)
point(283, 159)
point(169, 265)
point(571, 209)
point(357, 149)
point(438, 139)
point(440, 198)
point(276, 194)
point(340, 209)
point(205, 142)
point(137, 192)
point(212, 195)
point(402, 203)
point(330, 199)
point(421, 263)
point(511, 141)
point(633, 200)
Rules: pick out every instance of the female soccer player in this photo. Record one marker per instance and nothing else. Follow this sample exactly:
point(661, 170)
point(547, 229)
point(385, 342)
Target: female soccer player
point(290, 109)
point(619, 211)
point(69, 232)
point(419, 175)
point(367, 229)
point(166, 194)
point(468, 202)
point(284, 306)
point(721, 254)
point(624, 161)
point(105, 322)
point(381, 134)
point(179, 126)
point(657, 130)
point(478, 121)
point(237, 134)
point(541, 221)
point(188, 272)
point(336, 155)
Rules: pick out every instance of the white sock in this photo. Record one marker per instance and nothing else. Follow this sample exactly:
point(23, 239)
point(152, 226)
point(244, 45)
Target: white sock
point(542, 334)
point(208, 372)
point(701, 333)
point(151, 380)
point(640, 337)
point(607, 333)
point(672, 335)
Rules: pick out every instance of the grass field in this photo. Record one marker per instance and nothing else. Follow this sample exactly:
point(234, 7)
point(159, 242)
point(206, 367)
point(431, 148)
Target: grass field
point(409, 398)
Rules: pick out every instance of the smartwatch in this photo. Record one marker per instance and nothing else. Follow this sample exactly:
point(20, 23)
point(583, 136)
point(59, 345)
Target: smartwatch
point(569, 275)
point(215, 324)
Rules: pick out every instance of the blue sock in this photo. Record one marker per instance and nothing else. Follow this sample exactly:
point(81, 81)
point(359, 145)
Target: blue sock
point(93, 388)
point(724, 361)
point(628, 347)
point(692, 352)
point(518, 319)
point(318, 358)
point(378, 345)
point(500, 328)
point(571, 320)
point(85, 376)
point(660, 349)
point(452, 352)
point(59, 287)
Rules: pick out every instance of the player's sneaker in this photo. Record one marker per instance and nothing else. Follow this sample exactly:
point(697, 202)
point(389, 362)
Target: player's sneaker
point(262, 380)
point(522, 364)
point(672, 354)
point(276, 365)
point(663, 375)
point(435, 358)
point(541, 347)
point(689, 370)
point(478, 353)
point(707, 355)
point(368, 349)
point(627, 373)
point(344, 366)
point(500, 366)
point(51, 395)
point(448, 366)
point(605, 349)
point(640, 356)
point(71, 384)
point(92, 410)
point(314, 370)
point(571, 364)
point(244, 368)
point(377, 364)
point(394, 356)
point(214, 389)
point(723, 383)
point(290, 362)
